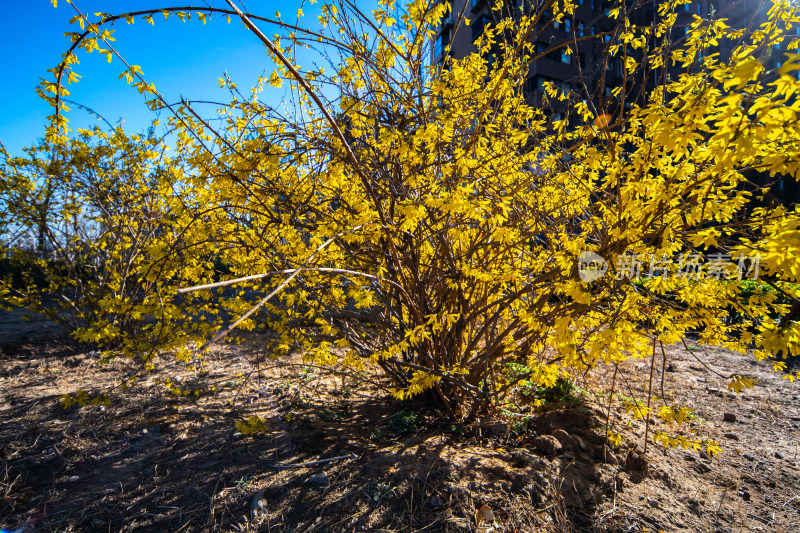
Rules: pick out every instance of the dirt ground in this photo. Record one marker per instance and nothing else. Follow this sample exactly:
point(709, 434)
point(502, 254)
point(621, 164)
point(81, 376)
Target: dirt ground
point(151, 461)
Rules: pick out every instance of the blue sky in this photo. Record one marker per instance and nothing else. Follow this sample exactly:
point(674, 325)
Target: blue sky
point(180, 58)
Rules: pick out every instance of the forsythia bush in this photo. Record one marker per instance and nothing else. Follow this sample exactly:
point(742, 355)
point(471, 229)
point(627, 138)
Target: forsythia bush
point(97, 245)
point(430, 221)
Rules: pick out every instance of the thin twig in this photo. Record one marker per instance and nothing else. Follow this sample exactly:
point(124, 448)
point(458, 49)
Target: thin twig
point(351, 156)
point(286, 271)
point(703, 362)
point(611, 400)
point(313, 463)
point(305, 85)
point(649, 395)
point(790, 500)
point(285, 282)
point(59, 454)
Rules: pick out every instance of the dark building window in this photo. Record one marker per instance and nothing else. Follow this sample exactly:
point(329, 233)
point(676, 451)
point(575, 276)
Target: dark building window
point(561, 55)
point(441, 43)
point(478, 26)
point(491, 59)
point(447, 20)
point(564, 25)
point(614, 66)
point(540, 81)
point(536, 83)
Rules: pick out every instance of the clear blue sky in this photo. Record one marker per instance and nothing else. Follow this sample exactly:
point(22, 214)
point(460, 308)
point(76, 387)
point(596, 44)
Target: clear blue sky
point(180, 58)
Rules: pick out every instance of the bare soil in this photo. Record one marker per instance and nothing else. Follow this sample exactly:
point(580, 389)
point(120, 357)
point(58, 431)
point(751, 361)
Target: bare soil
point(151, 461)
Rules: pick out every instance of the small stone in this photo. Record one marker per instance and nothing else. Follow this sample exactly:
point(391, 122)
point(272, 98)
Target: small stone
point(652, 502)
point(321, 479)
point(535, 491)
point(566, 440)
point(729, 417)
point(749, 457)
point(768, 498)
point(607, 456)
point(732, 436)
point(778, 455)
point(580, 442)
point(259, 504)
point(702, 468)
point(496, 427)
point(73, 479)
point(745, 494)
point(547, 444)
point(484, 514)
point(635, 462)
point(670, 368)
point(144, 431)
point(435, 502)
point(715, 392)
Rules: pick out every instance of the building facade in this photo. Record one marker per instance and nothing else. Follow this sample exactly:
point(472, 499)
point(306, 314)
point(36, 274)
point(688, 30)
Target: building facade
point(588, 72)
